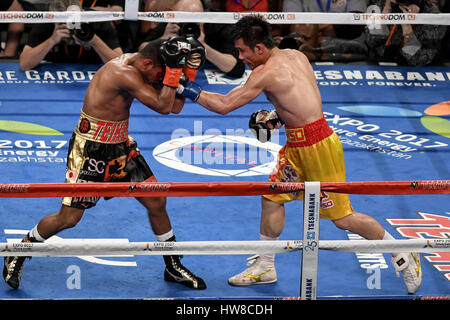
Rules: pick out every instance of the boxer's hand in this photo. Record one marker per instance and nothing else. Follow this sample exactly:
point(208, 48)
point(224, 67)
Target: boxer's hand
point(188, 89)
point(263, 122)
point(174, 52)
point(195, 59)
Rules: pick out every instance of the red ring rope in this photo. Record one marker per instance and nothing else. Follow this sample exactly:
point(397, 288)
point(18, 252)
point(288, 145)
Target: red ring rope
point(194, 189)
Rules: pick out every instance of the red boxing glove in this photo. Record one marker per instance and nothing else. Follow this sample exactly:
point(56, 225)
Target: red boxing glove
point(195, 59)
point(174, 52)
point(172, 77)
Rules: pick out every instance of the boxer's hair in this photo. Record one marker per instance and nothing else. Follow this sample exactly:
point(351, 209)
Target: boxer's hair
point(152, 51)
point(253, 29)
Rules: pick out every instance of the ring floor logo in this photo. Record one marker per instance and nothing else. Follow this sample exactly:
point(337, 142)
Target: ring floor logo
point(214, 154)
point(26, 150)
point(428, 225)
point(359, 133)
point(27, 128)
point(432, 119)
point(50, 76)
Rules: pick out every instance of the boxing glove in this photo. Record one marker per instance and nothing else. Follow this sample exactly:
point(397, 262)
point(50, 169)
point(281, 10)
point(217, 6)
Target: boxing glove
point(263, 122)
point(174, 52)
point(188, 89)
point(195, 59)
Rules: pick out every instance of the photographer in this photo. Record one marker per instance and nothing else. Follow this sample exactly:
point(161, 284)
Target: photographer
point(445, 54)
point(162, 30)
point(215, 38)
point(219, 45)
point(326, 42)
point(406, 44)
point(88, 43)
point(14, 30)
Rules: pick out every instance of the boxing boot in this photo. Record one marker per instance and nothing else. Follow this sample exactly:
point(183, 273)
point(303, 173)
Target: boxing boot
point(13, 266)
point(176, 272)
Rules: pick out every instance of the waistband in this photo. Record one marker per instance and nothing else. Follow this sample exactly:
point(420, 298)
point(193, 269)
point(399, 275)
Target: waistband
point(308, 134)
point(104, 131)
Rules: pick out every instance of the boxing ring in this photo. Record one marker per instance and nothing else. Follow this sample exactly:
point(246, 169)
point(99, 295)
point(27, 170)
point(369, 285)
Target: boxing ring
point(310, 245)
point(396, 145)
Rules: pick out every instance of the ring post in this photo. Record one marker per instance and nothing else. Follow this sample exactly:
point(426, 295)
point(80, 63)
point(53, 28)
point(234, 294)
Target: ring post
point(310, 255)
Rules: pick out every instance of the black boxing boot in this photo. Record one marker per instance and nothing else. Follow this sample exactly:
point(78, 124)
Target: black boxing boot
point(13, 266)
point(176, 272)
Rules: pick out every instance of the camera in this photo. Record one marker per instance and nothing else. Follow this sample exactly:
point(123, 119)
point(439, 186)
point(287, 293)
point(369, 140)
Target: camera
point(289, 41)
point(190, 30)
point(85, 32)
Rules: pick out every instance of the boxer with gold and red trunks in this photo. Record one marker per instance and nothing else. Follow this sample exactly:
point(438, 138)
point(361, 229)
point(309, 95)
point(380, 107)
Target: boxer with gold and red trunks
point(312, 153)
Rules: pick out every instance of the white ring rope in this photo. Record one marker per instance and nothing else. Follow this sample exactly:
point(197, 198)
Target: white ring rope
point(89, 247)
point(371, 19)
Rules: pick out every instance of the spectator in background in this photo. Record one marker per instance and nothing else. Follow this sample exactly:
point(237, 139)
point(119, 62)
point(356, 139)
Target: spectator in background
point(247, 5)
point(155, 30)
point(216, 38)
point(278, 29)
point(259, 6)
point(326, 42)
point(96, 43)
point(14, 30)
point(446, 41)
point(127, 30)
point(219, 45)
point(406, 44)
point(103, 5)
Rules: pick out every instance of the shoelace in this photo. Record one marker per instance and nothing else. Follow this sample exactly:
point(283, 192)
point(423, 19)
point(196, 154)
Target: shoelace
point(12, 266)
point(177, 266)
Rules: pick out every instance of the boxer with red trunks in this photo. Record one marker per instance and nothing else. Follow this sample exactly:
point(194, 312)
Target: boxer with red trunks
point(100, 149)
point(313, 152)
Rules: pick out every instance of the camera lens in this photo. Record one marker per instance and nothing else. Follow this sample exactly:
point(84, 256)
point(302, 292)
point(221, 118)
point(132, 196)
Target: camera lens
point(190, 30)
point(85, 33)
point(289, 43)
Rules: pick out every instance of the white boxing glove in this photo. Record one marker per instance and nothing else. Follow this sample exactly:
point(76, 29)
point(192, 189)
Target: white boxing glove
point(263, 122)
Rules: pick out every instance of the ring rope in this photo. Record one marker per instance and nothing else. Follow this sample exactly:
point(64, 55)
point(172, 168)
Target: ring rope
point(195, 189)
point(227, 17)
point(91, 247)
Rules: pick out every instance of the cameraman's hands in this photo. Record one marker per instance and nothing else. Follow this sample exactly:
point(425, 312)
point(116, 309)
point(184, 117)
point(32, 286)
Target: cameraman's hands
point(412, 8)
point(201, 37)
point(172, 30)
point(61, 31)
point(309, 52)
point(84, 44)
point(387, 7)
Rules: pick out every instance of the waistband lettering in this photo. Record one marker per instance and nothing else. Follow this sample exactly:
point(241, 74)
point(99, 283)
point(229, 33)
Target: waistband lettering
point(296, 135)
point(103, 130)
point(308, 134)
